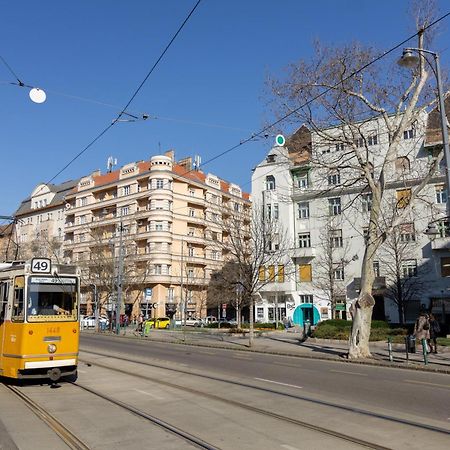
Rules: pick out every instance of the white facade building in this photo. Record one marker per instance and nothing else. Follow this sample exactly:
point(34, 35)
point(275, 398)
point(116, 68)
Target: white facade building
point(326, 214)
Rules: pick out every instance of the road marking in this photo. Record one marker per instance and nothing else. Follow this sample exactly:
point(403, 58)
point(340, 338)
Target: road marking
point(288, 447)
point(277, 382)
point(428, 384)
point(150, 394)
point(350, 373)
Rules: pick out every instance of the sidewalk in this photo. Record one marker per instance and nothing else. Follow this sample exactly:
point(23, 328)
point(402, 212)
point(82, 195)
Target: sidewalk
point(288, 343)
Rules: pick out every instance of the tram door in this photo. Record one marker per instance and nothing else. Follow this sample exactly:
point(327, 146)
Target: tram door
point(3, 311)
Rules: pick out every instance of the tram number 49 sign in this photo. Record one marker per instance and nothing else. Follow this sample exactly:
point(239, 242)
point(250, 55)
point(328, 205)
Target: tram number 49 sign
point(41, 265)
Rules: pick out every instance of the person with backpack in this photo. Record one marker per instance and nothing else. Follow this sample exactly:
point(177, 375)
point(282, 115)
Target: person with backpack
point(435, 329)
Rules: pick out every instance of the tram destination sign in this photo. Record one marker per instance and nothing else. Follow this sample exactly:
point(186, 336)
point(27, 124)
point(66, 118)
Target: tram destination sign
point(52, 280)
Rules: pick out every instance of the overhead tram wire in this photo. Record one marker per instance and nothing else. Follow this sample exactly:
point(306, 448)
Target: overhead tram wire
point(294, 111)
point(266, 128)
point(123, 111)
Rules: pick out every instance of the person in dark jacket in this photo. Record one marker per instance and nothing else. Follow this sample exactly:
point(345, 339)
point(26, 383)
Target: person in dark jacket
point(435, 329)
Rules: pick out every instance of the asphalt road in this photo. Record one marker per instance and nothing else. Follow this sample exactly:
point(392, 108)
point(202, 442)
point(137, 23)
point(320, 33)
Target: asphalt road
point(397, 393)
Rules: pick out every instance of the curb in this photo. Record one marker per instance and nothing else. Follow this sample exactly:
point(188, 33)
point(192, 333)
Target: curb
point(368, 362)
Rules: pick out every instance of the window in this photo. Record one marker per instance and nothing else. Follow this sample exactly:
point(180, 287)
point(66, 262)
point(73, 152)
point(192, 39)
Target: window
point(270, 183)
point(275, 211)
point(158, 269)
point(444, 228)
point(190, 251)
point(402, 165)
point(18, 307)
point(125, 211)
point(191, 212)
point(192, 192)
point(441, 193)
point(303, 181)
point(305, 272)
point(270, 158)
point(159, 183)
point(338, 273)
point(269, 212)
point(445, 267)
point(334, 179)
point(303, 210)
point(407, 233)
point(271, 273)
point(170, 294)
point(82, 237)
point(83, 201)
point(82, 219)
point(159, 226)
point(409, 268)
point(376, 268)
point(403, 198)
point(304, 240)
point(366, 235)
point(336, 238)
point(259, 314)
point(237, 207)
point(340, 146)
point(262, 273)
point(334, 206)
point(126, 190)
point(366, 201)
point(190, 273)
point(359, 142)
point(306, 298)
point(372, 139)
point(409, 134)
point(326, 150)
point(215, 254)
point(214, 235)
point(280, 274)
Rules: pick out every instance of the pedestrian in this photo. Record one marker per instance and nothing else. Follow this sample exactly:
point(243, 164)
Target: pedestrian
point(125, 321)
point(422, 328)
point(435, 329)
point(285, 323)
point(140, 322)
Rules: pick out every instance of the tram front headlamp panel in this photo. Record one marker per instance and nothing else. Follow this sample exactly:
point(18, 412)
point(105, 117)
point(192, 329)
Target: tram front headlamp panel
point(51, 348)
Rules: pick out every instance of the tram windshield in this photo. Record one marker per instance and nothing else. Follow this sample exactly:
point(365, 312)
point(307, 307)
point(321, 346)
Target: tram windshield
point(52, 299)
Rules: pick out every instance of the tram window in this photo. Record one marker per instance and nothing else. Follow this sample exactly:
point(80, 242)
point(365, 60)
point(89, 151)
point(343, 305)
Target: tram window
point(18, 311)
point(3, 301)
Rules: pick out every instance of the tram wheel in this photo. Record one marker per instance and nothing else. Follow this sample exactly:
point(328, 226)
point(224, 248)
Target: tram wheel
point(71, 378)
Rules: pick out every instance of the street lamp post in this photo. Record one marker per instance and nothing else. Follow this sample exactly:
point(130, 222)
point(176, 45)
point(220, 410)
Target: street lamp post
point(410, 60)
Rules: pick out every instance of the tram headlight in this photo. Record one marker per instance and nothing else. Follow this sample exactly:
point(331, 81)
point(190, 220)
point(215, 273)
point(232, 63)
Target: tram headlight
point(51, 348)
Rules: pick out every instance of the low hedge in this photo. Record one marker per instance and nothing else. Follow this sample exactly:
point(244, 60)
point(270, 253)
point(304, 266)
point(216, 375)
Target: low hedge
point(341, 329)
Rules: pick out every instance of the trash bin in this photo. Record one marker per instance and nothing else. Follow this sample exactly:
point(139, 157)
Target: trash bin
point(411, 344)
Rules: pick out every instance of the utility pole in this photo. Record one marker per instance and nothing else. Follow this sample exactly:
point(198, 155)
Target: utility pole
point(96, 312)
point(119, 275)
point(183, 303)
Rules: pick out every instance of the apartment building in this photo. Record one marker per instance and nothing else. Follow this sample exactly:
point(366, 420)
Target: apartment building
point(324, 208)
point(40, 221)
point(165, 218)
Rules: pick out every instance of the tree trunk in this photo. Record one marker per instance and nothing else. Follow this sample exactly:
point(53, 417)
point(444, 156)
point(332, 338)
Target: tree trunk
point(361, 312)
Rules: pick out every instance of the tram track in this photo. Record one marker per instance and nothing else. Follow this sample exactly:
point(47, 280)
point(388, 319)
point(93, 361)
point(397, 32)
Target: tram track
point(303, 424)
point(326, 403)
point(67, 436)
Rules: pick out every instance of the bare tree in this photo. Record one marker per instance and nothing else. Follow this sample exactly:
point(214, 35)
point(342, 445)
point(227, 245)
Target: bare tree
point(329, 266)
point(258, 248)
point(341, 94)
point(398, 259)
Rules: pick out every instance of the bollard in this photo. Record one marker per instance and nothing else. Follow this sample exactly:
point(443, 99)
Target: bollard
point(390, 349)
point(407, 348)
point(425, 352)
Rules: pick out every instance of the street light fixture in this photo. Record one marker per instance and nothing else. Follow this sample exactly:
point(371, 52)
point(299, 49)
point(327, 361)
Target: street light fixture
point(410, 60)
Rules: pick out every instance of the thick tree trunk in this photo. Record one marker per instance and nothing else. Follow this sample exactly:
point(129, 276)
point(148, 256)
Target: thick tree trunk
point(361, 312)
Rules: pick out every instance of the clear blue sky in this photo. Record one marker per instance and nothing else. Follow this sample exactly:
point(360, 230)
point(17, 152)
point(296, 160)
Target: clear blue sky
point(213, 75)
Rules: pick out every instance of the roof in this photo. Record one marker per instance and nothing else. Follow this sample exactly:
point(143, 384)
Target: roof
point(60, 191)
point(299, 145)
point(433, 133)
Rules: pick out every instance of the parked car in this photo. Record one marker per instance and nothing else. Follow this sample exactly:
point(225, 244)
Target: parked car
point(209, 320)
point(190, 322)
point(89, 322)
point(161, 322)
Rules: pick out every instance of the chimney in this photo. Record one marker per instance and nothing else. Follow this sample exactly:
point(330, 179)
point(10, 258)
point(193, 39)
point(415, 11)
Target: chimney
point(170, 154)
point(96, 173)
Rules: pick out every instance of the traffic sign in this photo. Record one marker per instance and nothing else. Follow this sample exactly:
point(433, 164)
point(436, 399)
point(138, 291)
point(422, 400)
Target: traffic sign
point(148, 293)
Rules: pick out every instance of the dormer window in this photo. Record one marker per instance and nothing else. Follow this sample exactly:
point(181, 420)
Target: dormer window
point(270, 158)
point(270, 183)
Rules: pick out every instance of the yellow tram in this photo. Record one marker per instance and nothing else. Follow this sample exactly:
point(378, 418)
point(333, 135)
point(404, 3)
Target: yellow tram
point(39, 319)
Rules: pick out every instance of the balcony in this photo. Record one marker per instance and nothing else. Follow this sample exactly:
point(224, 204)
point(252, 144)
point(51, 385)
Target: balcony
point(304, 252)
point(441, 243)
point(378, 285)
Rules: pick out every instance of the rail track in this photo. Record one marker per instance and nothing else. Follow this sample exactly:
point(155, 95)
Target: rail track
point(336, 434)
point(69, 438)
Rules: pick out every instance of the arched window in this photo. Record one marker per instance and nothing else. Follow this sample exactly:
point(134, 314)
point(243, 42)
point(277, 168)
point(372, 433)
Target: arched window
point(270, 183)
point(402, 164)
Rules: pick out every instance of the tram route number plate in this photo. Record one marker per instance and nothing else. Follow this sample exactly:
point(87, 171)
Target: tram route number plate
point(41, 265)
